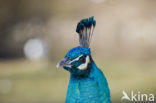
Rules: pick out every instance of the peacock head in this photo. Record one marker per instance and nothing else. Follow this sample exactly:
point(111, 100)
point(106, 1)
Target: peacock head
point(78, 60)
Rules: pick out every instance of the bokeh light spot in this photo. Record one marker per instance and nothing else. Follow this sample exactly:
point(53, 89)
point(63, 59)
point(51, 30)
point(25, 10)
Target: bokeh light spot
point(35, 49)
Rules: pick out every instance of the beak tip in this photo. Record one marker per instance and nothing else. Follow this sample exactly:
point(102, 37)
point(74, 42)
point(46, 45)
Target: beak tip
point(58, 65)
point(63, 63)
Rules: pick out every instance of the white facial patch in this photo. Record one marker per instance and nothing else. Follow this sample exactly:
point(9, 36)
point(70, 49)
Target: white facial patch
point(84, 65)
point(75, 59)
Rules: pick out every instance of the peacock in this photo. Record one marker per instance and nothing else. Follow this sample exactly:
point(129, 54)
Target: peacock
point(87, 82)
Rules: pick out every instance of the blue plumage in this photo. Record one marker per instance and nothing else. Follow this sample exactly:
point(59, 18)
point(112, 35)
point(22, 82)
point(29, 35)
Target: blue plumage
point(87, 82)
point(85, 23)
point(77, 51)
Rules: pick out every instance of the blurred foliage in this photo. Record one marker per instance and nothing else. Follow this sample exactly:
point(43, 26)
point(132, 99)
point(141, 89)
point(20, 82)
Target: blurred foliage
point(125, 29)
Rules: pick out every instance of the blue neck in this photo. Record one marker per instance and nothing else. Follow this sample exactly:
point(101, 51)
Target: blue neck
point(89, 88)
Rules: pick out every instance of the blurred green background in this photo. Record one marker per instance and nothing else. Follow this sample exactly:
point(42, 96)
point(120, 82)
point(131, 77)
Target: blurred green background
point(36, 34)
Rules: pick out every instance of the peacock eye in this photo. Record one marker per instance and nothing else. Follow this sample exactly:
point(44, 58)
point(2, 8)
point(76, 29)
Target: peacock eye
point(82, 59)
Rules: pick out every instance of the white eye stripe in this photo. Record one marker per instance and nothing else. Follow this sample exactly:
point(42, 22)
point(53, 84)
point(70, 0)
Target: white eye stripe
point(76, 59)
point(84, 65)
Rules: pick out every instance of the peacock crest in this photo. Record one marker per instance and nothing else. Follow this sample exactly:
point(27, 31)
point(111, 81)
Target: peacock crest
point(85, 29)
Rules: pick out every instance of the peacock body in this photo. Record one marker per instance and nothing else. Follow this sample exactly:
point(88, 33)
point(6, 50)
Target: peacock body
point(87, 82)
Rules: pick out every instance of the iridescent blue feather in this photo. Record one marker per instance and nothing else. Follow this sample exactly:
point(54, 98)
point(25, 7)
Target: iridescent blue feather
point(92, 89)
point(88, 84)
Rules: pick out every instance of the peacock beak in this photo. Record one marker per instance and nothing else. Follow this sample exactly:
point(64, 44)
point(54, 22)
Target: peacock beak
point(64, 63)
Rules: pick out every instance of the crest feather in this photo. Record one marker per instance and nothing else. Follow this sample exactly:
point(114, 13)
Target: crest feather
point(85, 30)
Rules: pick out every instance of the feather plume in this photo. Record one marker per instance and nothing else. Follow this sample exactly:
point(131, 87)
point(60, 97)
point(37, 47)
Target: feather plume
point(85, 30)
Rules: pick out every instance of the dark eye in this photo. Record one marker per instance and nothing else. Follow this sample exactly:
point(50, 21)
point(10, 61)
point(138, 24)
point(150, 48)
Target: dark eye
point(82, 59)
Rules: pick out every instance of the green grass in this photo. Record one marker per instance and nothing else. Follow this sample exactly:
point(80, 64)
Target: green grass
point(23, 81)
